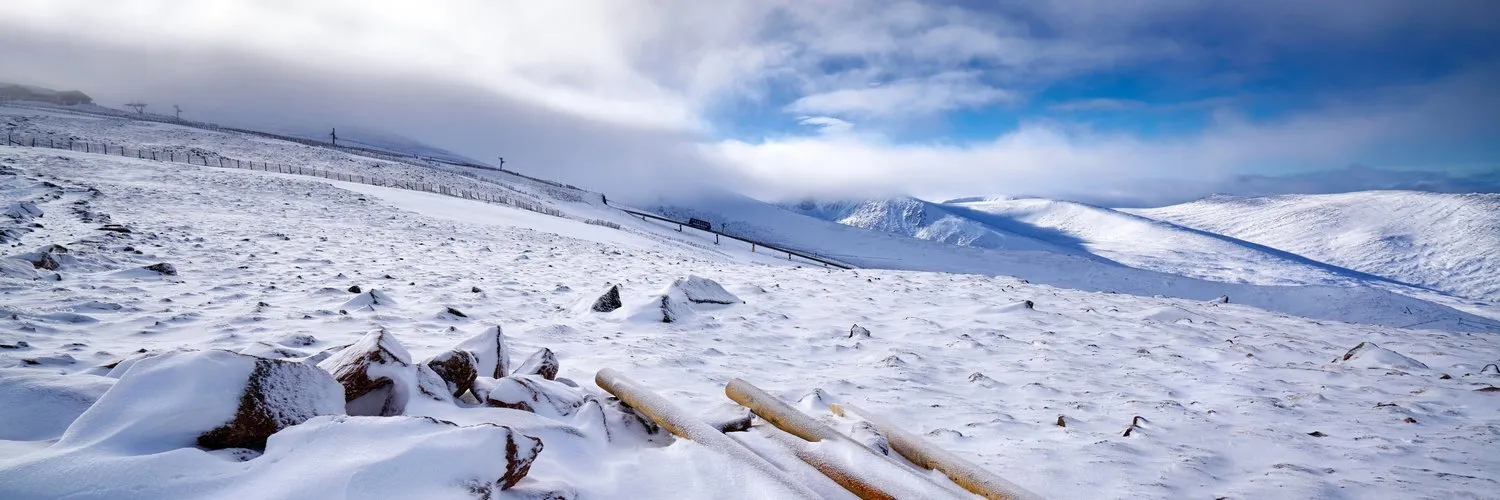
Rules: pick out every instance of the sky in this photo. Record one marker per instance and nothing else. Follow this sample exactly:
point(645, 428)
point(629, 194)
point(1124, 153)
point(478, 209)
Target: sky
point(1118, 102)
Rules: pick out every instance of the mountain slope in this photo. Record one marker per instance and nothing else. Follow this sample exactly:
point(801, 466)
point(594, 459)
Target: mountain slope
point(1448, 242)
point(1227, 394)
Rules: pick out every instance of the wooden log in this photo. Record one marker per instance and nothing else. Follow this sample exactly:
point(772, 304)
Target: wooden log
point(967, 474)
point(674, 420)
point(842, 468)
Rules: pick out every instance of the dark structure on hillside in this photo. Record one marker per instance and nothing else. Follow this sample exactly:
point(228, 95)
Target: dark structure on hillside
point(16, 92)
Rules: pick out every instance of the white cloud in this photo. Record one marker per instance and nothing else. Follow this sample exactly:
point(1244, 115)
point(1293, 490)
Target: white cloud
point(1068, 161)
point(826, 124)
point(944, 92)
point(1098, 105)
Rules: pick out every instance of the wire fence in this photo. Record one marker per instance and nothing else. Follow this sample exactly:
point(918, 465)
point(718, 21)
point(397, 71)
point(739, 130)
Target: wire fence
point(195, 156)
point(207, 158)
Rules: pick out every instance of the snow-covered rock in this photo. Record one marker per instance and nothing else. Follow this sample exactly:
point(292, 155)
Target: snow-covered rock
point(699, 290)
point(377, 375)
point(532, 393)
point(214, 399)
point(325, 457)
point(1369, 355)
point(543, 363)
point(368, 300)
point(491, 356)
point(683, 299)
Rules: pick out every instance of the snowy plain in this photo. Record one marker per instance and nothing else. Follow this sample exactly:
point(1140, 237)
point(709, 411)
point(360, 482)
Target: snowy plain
point(1236, 401)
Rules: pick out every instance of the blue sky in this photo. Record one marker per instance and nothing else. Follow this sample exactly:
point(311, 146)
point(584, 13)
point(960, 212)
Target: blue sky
point(1124, 101)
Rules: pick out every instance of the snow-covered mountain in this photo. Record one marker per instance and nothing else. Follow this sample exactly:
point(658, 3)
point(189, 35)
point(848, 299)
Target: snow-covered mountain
point(923, 220)
point(146, 306)
point(1448, 242)
point(1005, 223)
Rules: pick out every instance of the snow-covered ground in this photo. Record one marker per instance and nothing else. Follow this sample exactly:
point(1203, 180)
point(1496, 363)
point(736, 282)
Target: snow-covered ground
point(1236, 401)
point(1448, 242)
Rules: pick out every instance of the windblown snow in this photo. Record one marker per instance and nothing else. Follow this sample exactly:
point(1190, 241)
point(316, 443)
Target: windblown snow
point(123, 279)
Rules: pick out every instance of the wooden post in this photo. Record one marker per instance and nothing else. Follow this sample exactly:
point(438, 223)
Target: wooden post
point(972, 477)
point(835, 456)
point(674, 420)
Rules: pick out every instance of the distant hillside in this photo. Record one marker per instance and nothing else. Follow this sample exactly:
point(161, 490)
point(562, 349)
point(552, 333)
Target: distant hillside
point(19, 92)
point(1004, 223)
point(373, 139)
point(1448, 242)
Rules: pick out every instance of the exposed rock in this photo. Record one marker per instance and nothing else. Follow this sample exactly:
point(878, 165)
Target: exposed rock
point(115, 228)
point(857, 331)
point(454, 313)
point(457, 369)
point(609, 301)
point(277, 394)
point(491, 356)
point(163, 268)
point(366, 370)
point(23, 210)
point(542, 363)
point(354, 289)
point(475, 290)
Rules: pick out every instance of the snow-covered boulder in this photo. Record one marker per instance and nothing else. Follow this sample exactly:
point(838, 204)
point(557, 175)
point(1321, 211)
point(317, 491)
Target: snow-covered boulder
point(859, 332)
point(532, 393)
point(377, 374)
point(543, 363)
point(213, 399)
point(37, 405)
point(491, 356)
point(682, 299)
point(704, 291)
point(325, 457)
point(1369, 355)
point(368, 301)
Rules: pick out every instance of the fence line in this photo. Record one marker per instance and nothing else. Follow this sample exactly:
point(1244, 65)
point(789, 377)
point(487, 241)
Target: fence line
point(216, 160)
